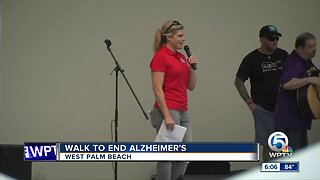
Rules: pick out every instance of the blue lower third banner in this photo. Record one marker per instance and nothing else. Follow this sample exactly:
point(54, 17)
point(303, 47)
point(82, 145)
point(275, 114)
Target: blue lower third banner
point(152, 152)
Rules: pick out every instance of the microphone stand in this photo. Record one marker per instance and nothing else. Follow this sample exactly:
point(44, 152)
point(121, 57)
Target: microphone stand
point(117, 69)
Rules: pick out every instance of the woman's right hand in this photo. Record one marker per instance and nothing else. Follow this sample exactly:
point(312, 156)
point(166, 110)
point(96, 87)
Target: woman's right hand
point(169, 123)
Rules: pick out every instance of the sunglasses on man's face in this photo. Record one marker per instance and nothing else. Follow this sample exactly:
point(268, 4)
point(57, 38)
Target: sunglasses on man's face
point(273, 38)
point(174, 23)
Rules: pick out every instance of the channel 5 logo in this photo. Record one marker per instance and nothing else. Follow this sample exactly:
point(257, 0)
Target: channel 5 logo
point(279, 142)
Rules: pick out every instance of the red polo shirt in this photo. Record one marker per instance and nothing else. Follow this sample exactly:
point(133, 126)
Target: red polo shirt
point(176, 69)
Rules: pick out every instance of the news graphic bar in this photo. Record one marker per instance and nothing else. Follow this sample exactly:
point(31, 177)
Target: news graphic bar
point(40, 151)
point(88, 151)
point(280, 167)
point(158, 152)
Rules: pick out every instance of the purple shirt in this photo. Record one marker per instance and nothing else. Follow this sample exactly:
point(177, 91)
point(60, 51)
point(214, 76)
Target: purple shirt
point(287, 115)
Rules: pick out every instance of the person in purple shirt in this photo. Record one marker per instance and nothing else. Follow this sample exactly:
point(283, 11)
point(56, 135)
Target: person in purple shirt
point(295, 74)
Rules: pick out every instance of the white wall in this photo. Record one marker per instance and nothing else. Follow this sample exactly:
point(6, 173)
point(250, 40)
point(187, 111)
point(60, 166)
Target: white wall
point(0, 63)
point(56, 83)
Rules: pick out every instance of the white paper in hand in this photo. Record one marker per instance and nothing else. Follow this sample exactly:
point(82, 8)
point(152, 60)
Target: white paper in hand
point(168, 135)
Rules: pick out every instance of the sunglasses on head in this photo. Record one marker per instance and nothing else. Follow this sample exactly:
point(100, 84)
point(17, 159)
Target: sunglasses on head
point(273, 38)
point(174, 23)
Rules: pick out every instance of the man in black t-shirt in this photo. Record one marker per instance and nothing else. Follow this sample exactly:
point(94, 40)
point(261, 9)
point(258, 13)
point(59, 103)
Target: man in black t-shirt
point(263, 67)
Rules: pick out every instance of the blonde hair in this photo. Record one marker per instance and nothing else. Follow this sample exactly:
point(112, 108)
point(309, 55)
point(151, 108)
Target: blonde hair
point(167, 29)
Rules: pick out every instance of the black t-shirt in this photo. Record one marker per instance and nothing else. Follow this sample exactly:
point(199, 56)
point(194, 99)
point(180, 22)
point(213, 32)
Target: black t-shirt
point(264, 72)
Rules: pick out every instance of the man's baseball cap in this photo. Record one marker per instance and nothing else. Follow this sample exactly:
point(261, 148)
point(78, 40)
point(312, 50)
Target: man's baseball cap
point(269, 31)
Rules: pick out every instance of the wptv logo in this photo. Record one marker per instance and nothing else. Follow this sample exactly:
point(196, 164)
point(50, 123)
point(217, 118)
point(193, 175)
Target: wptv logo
point(40, 151)
point(278, 142)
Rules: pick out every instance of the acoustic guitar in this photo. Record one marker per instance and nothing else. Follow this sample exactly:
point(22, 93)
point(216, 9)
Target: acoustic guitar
point(308, 100)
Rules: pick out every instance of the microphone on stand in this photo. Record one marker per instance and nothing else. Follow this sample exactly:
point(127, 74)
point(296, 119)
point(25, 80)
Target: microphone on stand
point(108, 43)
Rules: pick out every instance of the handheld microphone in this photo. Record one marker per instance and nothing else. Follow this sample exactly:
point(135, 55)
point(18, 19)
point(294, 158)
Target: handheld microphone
point(187, 49)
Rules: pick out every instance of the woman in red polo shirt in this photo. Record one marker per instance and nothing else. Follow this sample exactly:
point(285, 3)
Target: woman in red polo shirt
point(171, 76)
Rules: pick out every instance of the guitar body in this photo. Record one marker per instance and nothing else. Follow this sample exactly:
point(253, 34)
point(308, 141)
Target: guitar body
point(309, 102)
